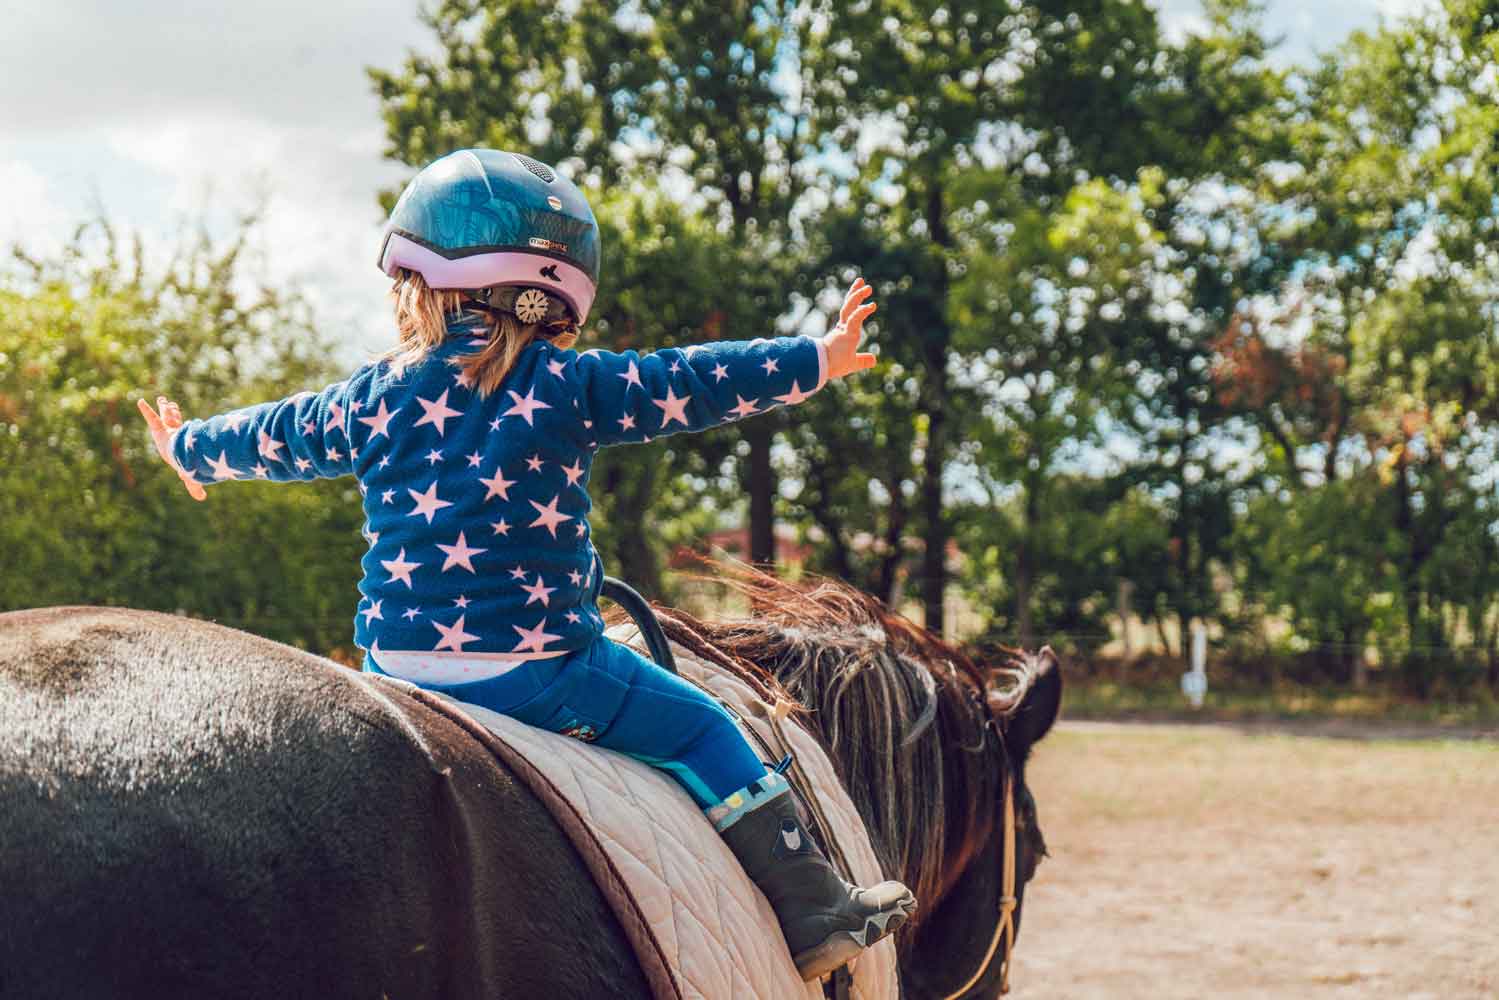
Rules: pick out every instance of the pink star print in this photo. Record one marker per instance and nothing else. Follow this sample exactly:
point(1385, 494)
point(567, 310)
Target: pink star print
point(335, 417)
point(572, 618)
point(309, 426)
point(534, 463)
point(627, 422)
point(459, 554)
point(380, 422)
point(533, 638)
point(575, 577)
point(387, 496)
point(269, 445)
point(745, 407)
point(221, 468)
point(434, 456)
point(410, 614)
point(538, 591)
point(518, 573)
point(770, 366)
point(573, 472)
point(632, 376)
point(499, 486)
point(673, 408)
point(334, 454)
point(795, 395)
point(720, 372)
point(548, 517)
point(427, 503)
point(437, 412)
point(464, 380)
point(526, 406)
point(302, 465)
point(372, 613)
point(461, 602)
point(555, 367)
point(453, 636)
point(399, 568)
point(473, 460)
point(676, 366)
point(261, 472)
point(500, 527)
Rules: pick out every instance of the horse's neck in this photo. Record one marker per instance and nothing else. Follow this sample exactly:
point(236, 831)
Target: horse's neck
point(927, 817)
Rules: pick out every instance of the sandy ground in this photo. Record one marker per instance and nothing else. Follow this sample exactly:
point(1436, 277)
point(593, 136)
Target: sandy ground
point(1200, 861)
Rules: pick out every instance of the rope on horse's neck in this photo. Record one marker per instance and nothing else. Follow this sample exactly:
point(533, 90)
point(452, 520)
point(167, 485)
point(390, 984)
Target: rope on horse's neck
point(1004, 927)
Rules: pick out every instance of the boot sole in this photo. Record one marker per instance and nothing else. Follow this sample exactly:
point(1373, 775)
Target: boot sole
point(842, 947)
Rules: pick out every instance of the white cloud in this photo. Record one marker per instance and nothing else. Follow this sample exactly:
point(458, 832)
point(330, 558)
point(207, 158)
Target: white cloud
point(163, 115)
point(1304, 27)
point(30, 215)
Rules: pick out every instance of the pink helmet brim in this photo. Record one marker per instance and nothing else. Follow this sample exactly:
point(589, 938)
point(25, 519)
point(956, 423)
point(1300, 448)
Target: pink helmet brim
point(502, 267)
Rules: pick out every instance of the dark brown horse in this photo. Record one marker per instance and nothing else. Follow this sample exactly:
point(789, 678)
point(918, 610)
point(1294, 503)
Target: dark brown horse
point(187, 810)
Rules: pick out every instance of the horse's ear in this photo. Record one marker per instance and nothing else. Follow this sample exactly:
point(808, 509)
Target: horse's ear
point(1038, 710)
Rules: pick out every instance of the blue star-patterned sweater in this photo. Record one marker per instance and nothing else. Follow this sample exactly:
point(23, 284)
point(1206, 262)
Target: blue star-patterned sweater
point(476, 509)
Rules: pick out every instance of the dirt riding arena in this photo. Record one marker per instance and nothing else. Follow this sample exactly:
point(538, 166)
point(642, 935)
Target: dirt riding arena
point(1205, 861)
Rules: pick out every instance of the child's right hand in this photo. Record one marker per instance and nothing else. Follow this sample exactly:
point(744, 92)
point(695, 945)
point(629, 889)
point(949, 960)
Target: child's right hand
point(842, 342)
point(161, 425)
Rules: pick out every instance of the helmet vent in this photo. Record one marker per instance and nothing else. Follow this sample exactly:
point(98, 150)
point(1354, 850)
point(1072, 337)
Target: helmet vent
point(536, 167)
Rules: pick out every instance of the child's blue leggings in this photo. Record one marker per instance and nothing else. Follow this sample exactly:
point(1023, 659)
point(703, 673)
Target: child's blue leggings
point(610, 695)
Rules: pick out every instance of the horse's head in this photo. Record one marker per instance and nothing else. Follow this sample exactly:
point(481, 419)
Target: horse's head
point(930, 746)
point(960, 948)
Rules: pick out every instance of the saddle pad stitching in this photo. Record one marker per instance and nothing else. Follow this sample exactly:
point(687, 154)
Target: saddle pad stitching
point(711, 932)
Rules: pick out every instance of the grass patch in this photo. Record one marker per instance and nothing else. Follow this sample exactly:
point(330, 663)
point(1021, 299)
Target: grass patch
point(1098, 698)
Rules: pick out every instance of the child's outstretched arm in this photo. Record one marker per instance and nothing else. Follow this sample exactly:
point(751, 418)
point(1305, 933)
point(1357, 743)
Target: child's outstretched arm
point(630, 397)
point(305, 436)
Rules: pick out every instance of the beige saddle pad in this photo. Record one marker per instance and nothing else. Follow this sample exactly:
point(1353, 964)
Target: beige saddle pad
point(699, 925)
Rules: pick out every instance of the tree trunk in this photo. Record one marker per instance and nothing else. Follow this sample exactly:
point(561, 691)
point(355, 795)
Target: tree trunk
point(634, 557)
point(1353, 657)
point(894, 557)
point(762, 490)
point(934, 558)
point(937, 344)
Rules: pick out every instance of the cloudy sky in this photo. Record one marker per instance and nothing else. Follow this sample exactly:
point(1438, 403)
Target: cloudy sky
point(158, 111)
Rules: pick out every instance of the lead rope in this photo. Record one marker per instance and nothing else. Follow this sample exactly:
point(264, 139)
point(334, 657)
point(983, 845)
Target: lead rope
point(1005, 926)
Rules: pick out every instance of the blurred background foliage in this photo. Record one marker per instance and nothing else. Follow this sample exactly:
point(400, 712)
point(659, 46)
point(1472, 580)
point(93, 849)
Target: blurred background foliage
point(1169, 333)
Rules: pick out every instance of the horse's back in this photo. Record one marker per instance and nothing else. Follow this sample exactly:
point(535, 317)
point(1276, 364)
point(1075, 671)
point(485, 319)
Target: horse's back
point(190, 810)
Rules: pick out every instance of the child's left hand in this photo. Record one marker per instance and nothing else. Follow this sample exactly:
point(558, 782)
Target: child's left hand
point(842, 342)
point(161, 425)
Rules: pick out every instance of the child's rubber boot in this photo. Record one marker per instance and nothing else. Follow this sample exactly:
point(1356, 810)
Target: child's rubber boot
point(826, 921)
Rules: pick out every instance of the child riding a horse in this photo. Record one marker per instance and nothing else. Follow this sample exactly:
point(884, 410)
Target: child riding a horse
point(472, 442)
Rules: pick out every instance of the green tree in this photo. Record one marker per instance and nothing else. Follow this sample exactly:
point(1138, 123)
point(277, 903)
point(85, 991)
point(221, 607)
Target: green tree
point(707, 97)
point(87, 512)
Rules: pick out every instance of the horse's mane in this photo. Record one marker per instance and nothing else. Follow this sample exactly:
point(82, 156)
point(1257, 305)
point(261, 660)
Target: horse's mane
point(886, 696)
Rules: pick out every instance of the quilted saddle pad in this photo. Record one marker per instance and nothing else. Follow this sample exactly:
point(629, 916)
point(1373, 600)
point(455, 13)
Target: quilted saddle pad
point(698, 924)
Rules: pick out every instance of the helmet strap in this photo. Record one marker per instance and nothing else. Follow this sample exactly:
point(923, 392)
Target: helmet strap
point(526, 303)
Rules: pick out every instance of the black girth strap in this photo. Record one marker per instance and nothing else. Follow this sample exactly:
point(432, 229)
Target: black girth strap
point(627, 597)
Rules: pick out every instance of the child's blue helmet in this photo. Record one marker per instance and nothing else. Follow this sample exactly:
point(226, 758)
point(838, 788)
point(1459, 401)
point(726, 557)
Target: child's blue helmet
point(485, 218)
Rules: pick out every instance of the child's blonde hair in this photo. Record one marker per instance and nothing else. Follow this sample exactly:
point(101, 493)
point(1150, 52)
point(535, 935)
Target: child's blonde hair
point(422, 315)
